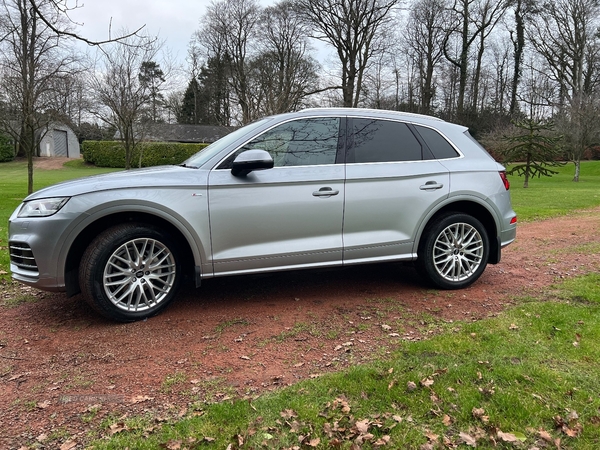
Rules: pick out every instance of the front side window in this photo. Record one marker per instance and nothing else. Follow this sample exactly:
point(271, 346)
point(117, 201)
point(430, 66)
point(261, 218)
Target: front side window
point(297, 143)
point(375, 140)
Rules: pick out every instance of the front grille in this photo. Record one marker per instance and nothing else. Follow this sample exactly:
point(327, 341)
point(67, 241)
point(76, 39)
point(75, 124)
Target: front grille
point(22, 256)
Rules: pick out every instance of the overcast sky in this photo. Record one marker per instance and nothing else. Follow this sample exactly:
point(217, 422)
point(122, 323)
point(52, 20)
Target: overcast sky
point(173, 20)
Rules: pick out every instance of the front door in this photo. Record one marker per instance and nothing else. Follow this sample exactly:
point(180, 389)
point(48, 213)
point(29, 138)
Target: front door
point(286, 217)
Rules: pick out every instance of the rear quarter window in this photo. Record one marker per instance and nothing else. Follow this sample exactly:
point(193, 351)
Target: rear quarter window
point(439, 146)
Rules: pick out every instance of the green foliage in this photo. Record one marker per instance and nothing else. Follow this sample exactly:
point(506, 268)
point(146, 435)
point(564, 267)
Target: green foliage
point(7, 149)
point(557, 195)
point(534, 149)
point(112, 153)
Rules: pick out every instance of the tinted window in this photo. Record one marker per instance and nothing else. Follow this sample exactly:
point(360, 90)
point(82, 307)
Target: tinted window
point(383, 141)
point(439, 146)
point(297, 143)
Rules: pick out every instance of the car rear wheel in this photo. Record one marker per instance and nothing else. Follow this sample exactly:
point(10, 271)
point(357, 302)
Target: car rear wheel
point(130, 272)
point(454, 251)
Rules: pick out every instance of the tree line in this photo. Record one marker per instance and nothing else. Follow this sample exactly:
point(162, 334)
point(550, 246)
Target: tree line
point(482, 63)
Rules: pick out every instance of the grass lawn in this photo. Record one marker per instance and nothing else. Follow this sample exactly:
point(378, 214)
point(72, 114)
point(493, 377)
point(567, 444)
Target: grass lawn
point(527, 379)
point(557, 195)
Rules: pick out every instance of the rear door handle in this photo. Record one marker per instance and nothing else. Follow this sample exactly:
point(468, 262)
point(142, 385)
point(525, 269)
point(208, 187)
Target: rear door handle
point(325, 192)
point(431, 186)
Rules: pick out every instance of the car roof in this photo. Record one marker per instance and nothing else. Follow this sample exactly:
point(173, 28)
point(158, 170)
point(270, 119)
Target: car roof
point(370, 113)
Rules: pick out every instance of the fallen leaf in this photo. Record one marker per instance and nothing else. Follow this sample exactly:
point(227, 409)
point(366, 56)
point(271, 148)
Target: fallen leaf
point(362, 426)
point(140, 399)
point(384, 440)
point(68, 445)
point(513, 327)
point(447, 420)
point(314, 442)
point(288, 413)
point(426, 382)
point(511, 437)
point(244, 357)
point(544, 435)
point(118, 427)
point(468, 439)
point(386, 327)
point(411, 386)
point(172, 445)
point(43, 405)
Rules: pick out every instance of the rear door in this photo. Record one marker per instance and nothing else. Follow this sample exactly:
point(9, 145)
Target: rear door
point(391, 183)
point(289, 216)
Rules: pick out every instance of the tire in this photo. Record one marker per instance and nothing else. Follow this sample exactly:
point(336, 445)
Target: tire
point(454, 251)
point(130, 272)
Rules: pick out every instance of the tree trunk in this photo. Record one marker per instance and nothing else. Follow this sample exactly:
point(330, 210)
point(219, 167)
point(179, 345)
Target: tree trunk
point(519, 45)
point(577, 170)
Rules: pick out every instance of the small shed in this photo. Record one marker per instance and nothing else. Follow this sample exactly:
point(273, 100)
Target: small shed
point(59, 140)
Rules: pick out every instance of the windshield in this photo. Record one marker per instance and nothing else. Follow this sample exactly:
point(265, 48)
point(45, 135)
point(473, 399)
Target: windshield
point(207, 153)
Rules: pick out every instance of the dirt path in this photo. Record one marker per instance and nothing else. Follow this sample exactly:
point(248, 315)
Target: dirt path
point(63, 369)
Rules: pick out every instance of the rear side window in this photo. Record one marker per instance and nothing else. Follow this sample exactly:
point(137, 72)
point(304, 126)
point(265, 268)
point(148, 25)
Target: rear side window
point(383, 141)
point(438, 145)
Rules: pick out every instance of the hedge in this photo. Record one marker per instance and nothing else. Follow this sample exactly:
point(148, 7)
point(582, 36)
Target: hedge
point(112, 153)
point(7, 149)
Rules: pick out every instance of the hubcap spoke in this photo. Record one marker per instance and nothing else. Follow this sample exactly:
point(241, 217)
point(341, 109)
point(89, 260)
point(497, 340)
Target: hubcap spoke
point(139, 275)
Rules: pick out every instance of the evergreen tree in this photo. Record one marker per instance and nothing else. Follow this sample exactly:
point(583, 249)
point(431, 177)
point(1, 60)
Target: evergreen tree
point(215, 92)
point(190, 107)
point(533, 149)
point(151, 77)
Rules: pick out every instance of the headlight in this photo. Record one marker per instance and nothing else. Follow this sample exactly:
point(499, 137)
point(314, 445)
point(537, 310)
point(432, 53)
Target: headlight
point(42, 208)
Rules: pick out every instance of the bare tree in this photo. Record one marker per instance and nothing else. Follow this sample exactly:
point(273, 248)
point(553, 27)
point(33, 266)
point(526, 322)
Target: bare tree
point(522, 10)
point(228, 31)
point(284, 73)
point(352, 27)
point(120, 94)
point(565, 35)
point(471, 20)
point(47, 11)
point(32, 59)
point(425, 39)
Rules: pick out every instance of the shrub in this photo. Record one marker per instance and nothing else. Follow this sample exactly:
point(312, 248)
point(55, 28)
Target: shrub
point(7, 149)
point(112, 153)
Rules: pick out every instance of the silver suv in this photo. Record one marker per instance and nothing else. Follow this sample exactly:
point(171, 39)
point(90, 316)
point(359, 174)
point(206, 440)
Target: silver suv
point(316, 188)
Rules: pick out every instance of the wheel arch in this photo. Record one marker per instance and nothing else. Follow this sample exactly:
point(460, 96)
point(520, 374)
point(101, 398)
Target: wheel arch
point(91, 230)
point(473, 208)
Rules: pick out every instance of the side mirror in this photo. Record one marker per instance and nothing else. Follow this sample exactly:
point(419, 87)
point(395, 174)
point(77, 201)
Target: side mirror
point(251, 160)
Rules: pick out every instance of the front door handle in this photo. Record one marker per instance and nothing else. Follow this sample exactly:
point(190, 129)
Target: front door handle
point(325, 192)
point(431, 186)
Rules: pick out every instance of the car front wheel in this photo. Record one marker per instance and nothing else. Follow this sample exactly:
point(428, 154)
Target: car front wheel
point(130, 272)
point(454, 251)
